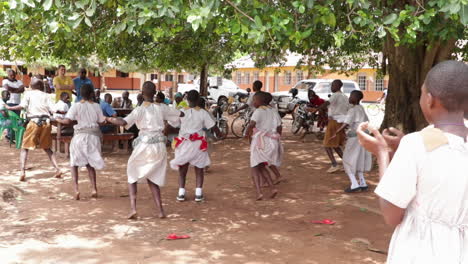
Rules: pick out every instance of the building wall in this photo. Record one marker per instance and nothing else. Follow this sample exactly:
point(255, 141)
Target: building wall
point(287, 77)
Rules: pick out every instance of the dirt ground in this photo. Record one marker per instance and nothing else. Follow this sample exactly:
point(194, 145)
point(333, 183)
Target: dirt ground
point(44, 225)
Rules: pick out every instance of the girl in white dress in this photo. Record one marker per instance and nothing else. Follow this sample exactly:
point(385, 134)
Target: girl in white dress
point(149, 158)
point(356, 160)
point(191, 145)
point(265, 149)
point(85, 147)
point(424, 190)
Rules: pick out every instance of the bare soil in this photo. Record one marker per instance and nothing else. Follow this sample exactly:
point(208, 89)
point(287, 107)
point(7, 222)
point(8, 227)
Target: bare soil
point(40, 223)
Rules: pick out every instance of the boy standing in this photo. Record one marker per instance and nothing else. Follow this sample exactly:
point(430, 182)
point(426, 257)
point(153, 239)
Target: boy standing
point(356, 159)
point(38, 131)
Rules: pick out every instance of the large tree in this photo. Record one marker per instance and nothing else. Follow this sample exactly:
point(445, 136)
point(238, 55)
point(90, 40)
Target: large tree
point(413, 35)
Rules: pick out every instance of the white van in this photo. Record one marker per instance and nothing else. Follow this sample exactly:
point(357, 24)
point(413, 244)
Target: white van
point(322, 87)
point(219, 89)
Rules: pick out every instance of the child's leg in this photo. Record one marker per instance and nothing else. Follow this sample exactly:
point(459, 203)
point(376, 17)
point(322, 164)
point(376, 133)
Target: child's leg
point(132, 191)
point(339, 151)
point(352, 179)
point(92, 179)
point(362, 180)
point(74, 173)
point(199, 172)
point(156, 192)
point(275, 170)
point(182, 177)
point(331, 156)
point(266, 175)
point(23, 160)
point(256, 174)
point(53, 160)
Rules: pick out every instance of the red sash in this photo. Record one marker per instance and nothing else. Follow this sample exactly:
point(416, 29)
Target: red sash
point(193, 137)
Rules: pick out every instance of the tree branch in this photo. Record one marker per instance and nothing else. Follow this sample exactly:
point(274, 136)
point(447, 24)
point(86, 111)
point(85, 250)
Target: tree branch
point(240, 11)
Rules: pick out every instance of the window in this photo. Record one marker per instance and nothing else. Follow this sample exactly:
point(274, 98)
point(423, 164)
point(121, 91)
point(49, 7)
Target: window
point(238, 78)
point(305, 85)
point(323, 87)
point(287, 77)
point(299, 76)
point(247, 78)
point(121, 74)
point(379, 84)
point(256, 76)
point(154, 76)
point(180, 78)
point(348, 87)
point(169, 78)
point(362, 82)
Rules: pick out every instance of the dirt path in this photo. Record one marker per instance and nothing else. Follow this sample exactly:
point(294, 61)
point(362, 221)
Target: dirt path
point(45, 226)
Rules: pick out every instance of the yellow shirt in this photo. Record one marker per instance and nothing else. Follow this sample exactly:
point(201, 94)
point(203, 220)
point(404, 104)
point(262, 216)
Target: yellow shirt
point(66, 80)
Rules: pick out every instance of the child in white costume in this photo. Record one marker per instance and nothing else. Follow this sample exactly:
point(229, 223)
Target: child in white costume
point(423, 191)
point(265, 148)
point(85, 147)
point(191, 145)
point(149, 157)
point(356, 160)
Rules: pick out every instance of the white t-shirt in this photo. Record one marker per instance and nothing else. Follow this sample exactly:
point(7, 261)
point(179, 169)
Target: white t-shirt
point(266, 119)
point(194, 120)
point(433, 188)
point(149, 117)
point(15, 98)
point(62, 107)
point(87, 114)
point(37, 103)
point(355, 116)
point(339, 105)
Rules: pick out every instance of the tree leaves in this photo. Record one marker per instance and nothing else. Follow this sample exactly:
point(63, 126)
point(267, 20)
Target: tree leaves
point(47, 5)
point(390, 19)
point(464, 15)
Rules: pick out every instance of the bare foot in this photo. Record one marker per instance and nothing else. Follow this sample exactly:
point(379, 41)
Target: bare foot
point(77, 196)
point(94, 194)
point(273, 193)
point(260, 197)
point(278, 181)
point(162, 215)
point(22, 177)
point(58, 174)
point(133, 215)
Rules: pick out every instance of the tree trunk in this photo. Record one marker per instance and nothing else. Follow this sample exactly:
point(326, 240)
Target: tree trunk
point(204, 80)
point(407, 69)
point(159, 81)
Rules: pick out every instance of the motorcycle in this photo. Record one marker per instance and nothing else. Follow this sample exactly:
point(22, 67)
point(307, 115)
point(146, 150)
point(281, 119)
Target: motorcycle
point(221, 121)
point(287, 104)
point(303, 119)
point(236, 102)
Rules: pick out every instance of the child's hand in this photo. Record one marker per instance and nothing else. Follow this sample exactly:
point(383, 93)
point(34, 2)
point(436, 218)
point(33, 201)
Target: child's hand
point(393, 137)
point(376, 144)
point(332, 137)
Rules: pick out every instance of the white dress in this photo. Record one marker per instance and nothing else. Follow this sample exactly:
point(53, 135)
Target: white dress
point(355, 157)
point(433, 188)
point(149, 156)
point(191, 137)
point(266, 146)
point(85, 148)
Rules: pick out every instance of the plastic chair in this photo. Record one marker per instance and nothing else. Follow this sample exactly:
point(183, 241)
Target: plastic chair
point(15, 123)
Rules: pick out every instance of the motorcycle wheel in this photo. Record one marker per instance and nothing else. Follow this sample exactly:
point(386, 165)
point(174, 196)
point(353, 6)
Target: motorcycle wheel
point(296, 125)
point(223, 103)
point(238, 127)
point(224, 128)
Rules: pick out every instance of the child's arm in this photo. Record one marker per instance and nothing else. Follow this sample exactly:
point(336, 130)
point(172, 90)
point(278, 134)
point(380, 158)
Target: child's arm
point(343, 126)
point(279, 129)
point(249, 131)
point(116, 121)
point(14, 108)
point(65, 121)
point(392, 214)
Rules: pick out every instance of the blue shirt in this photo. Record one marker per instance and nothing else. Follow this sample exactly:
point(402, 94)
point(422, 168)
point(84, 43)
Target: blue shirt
point(107, 109)
point(78, 82)
point(167, 101)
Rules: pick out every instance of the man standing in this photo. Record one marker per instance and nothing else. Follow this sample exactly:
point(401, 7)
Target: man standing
point(15, 88)
point(338, 106)
point(80, 81)
point(62, 83)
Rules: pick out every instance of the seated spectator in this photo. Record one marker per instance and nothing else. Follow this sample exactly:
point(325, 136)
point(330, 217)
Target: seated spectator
point(179, 102)
point(108, 111)
point(123, 102)
point(62, 106)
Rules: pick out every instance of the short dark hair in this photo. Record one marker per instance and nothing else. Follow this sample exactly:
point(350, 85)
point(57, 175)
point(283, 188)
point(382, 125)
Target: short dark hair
point(448, 81)
point(10, 70)
point(63, 94)
point(359, 95)
point(160, 96)
point(201, 102)
point(265, 98)
point(86, 91)
point(193, 96)
point(60, 66)
point(107, 95)
point(257, 85)
point(338, 82)
point(148, 89)
point(83, 70)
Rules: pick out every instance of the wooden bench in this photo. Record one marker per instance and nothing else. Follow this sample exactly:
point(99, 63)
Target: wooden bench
point(115, 138)
point(58, 142)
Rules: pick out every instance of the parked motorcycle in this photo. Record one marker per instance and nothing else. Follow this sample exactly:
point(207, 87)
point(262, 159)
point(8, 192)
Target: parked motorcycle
point(237, 101)
point(288, 104)
point(303, 119)
point(221, 121)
